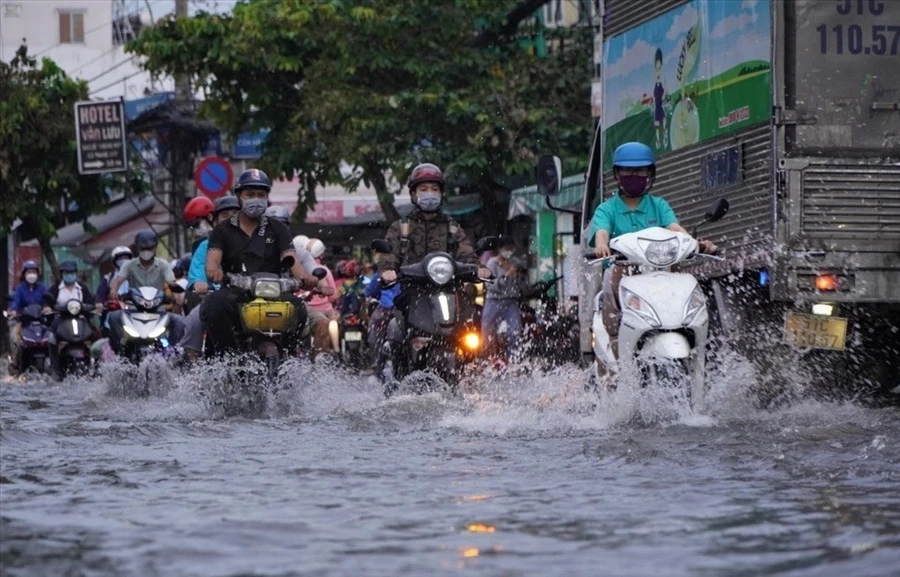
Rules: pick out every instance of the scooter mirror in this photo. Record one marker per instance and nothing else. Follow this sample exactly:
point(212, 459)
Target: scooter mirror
point(287, 262)
point(176, 288)
point(549, 175)
point(380, 245)
point(320, 273)
point(717, 210)
point(487, 243)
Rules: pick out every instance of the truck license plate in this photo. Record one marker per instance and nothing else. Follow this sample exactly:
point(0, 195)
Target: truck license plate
point(353, 336)
point(815, 331)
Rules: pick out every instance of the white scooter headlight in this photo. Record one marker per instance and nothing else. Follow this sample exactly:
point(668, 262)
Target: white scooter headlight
point(157, 332)
point(660, 252)
point(639, 306)
point(695, 304)
point(267, 289)
point(440, 270)
point(74, 307)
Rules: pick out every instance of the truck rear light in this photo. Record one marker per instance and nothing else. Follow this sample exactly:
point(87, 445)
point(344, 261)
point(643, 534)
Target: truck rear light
point(827, 282)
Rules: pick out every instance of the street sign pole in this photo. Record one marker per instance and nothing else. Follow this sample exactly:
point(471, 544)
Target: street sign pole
point(100, 137)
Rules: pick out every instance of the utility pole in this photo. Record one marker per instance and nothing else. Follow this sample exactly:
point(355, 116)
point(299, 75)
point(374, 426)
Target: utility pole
point(182, 156)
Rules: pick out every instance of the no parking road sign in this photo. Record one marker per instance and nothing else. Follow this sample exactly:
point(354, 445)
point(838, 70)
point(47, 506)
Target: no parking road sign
point(213, 176)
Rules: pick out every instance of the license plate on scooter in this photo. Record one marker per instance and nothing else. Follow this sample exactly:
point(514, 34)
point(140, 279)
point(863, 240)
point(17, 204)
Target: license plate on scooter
point(815, 331)
point(353, 336)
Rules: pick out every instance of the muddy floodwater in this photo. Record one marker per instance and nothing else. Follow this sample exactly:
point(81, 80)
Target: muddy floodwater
point(523, 474)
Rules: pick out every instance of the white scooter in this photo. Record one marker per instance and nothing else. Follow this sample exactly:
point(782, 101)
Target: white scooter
point(664, 321)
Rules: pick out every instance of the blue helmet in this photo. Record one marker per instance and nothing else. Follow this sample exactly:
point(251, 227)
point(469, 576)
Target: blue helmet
point(146, 239)
point(633, 155)
point(68, 266)
point(30, 264)
point(227, 203)
point(252, 178)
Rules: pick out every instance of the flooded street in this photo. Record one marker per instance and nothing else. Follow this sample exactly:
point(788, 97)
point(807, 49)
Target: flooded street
point(521, 475)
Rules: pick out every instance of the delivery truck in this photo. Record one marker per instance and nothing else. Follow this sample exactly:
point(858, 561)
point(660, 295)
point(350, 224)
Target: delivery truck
point(789, 109)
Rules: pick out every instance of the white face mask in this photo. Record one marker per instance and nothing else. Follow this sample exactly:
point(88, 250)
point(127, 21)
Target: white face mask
point(147, 255)
point(31, 278)
point(428, 201)
point(121, 262)
point(203, 229)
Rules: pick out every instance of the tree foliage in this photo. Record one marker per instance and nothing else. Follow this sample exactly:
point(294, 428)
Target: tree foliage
point(382, 84)
point(38, 165)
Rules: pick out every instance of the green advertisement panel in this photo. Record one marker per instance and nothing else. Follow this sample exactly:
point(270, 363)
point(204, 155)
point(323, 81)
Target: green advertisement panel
point(694, 73)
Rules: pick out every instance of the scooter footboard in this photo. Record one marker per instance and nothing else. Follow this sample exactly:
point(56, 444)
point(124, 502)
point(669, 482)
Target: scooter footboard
point(667, 345)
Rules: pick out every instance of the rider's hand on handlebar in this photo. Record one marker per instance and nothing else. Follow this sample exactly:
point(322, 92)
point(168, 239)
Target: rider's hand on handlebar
point(389, 276)
point(484, 272)
point(602, 250)
point(216, 276)
point(201, 287)
point(707, 247)
point(309, 281)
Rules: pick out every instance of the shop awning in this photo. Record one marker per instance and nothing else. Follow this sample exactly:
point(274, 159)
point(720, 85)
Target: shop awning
point(526, 200)
point(75, 234)
point(117, 226)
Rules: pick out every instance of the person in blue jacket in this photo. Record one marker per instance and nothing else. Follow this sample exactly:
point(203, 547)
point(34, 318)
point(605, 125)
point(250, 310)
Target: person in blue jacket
point(31, 290)
point(192, 341)
point(381, 316)
point(226, 207)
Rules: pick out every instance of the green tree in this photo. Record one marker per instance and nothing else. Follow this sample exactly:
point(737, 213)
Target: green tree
point(38, 165)
point(382, 84)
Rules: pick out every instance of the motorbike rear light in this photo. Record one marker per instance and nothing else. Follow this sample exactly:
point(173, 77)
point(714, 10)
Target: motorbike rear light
point(352, 320)
point(472, 341)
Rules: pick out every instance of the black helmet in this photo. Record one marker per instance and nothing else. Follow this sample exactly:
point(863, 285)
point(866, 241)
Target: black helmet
point(252, 178)
point(227, 203)
point(145, 239)
point(68, 266)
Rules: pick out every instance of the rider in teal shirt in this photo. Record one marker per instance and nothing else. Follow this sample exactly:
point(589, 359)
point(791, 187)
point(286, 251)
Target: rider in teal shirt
point(633, 209)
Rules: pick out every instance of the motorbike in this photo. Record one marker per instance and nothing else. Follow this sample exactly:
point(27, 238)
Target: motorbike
point(664, 321)
point(34, 351)
point(352, 332)
point(146, 324)
point(438, 333)
point(269, 317)
point(73, 336)
point(548, 336)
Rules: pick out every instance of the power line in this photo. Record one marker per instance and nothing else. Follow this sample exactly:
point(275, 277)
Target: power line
point(111, 84)
point(91, 61)
point(108, 70)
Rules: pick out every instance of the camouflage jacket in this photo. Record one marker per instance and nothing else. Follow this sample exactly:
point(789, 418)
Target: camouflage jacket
point(427, 236)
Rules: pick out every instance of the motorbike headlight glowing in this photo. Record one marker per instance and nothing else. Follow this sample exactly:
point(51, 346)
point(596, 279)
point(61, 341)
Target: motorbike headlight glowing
point(695, 304)
point(440, 269)
point(267, 289)
point(472, 341)
point(74, 307)
point(157, 332)
point(660, 252)
point(639, 306)
point(131, 332)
